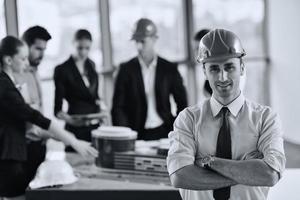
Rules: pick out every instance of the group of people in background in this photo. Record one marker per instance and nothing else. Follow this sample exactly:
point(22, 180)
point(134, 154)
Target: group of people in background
point(141, 99)
point(23, 127)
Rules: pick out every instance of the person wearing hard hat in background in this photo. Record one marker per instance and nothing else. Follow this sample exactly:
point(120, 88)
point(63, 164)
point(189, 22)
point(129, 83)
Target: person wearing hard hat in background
point(227, 147)
point(143, 88)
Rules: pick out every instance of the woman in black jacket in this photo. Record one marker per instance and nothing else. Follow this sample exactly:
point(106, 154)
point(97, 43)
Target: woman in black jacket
point(14, 113)
point(76, 81)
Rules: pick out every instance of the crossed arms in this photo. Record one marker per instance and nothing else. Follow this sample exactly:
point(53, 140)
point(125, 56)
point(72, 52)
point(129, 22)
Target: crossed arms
point(260, 168)
point(223, 173)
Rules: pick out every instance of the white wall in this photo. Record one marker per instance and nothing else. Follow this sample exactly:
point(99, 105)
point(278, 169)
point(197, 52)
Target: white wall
point(284, 43)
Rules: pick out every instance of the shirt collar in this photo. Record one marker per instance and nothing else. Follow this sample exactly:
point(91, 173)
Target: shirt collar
point(234, 107)
point(152, 64)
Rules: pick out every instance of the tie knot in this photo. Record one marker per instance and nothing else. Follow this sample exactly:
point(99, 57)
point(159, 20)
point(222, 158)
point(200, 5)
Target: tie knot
point(224, 111)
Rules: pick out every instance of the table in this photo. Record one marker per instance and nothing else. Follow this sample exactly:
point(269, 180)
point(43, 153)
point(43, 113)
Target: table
point(96, 183)
point(90, 189)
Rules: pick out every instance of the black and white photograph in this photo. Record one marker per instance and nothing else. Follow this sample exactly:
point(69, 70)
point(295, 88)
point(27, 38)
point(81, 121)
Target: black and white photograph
point(149, 100)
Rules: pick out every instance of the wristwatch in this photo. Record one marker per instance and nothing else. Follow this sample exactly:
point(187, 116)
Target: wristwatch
point(206, 161)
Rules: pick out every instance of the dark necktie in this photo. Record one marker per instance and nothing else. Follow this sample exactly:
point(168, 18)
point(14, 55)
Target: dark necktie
point(223, 151)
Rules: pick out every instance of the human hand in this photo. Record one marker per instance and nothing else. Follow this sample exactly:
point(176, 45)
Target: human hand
point(205, 161)
point(84, 148)
point(33, 132)
point(102, 105)
point(74, 121)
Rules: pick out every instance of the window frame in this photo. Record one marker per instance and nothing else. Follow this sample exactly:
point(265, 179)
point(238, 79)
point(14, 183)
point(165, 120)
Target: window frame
point(106, 45)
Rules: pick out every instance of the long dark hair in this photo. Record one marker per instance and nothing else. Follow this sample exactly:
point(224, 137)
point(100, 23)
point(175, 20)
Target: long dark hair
point(9, 47)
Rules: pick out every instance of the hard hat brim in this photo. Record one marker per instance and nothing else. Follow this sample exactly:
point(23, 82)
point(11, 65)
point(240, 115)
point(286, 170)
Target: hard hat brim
point(220, 58)
point(138, 37)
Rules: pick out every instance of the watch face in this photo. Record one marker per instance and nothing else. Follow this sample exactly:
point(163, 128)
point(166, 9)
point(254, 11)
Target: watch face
point(205, 159)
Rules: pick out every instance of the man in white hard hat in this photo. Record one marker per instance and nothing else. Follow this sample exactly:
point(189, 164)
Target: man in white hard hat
point(227, 147)
point(143, 88)
point(204, 89)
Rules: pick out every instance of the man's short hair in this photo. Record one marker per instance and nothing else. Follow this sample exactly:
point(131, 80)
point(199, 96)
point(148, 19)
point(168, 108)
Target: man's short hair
point(199, 35)
point(35, 32)
point(82, 34)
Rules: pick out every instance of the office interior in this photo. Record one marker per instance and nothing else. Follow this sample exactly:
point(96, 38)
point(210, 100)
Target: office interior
point(269, 30)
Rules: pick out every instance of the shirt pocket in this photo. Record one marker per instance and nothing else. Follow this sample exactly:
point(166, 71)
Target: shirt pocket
point(207, 139)
point(245, 140)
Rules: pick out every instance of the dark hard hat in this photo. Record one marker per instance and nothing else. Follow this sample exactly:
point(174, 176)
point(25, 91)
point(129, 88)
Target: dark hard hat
point(144, 28)
point(219, 44)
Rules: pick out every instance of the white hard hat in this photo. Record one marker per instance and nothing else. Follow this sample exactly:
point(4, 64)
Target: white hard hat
point(53, 171)
point(219, 44)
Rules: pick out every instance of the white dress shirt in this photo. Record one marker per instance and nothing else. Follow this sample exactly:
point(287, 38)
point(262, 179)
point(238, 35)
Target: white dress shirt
point(30, 88)
point(153, 120)
point(255, 129)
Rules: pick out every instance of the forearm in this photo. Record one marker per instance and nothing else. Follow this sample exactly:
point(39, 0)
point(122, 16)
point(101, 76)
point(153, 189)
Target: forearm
point(82, 147)
point(45, 134)
point(59, 133)
point(193, 177)
point(253, 172)
point(65, 117)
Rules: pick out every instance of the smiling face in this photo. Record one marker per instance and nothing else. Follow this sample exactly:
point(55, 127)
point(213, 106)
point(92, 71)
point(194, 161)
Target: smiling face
point(224, 78)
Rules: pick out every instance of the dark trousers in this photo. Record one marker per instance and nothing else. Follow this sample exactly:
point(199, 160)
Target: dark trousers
point(155, 133)
point(12, 178)
point(15, 176)
point(36, 152)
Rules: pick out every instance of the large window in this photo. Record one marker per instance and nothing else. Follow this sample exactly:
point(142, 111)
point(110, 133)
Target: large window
point(61, 19)
point(2, 20)
point(245, 18)
point(167, 15)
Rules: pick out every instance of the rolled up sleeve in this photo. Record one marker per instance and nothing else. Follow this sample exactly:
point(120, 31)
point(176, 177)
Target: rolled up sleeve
point(182, 143)
point(271, 142)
